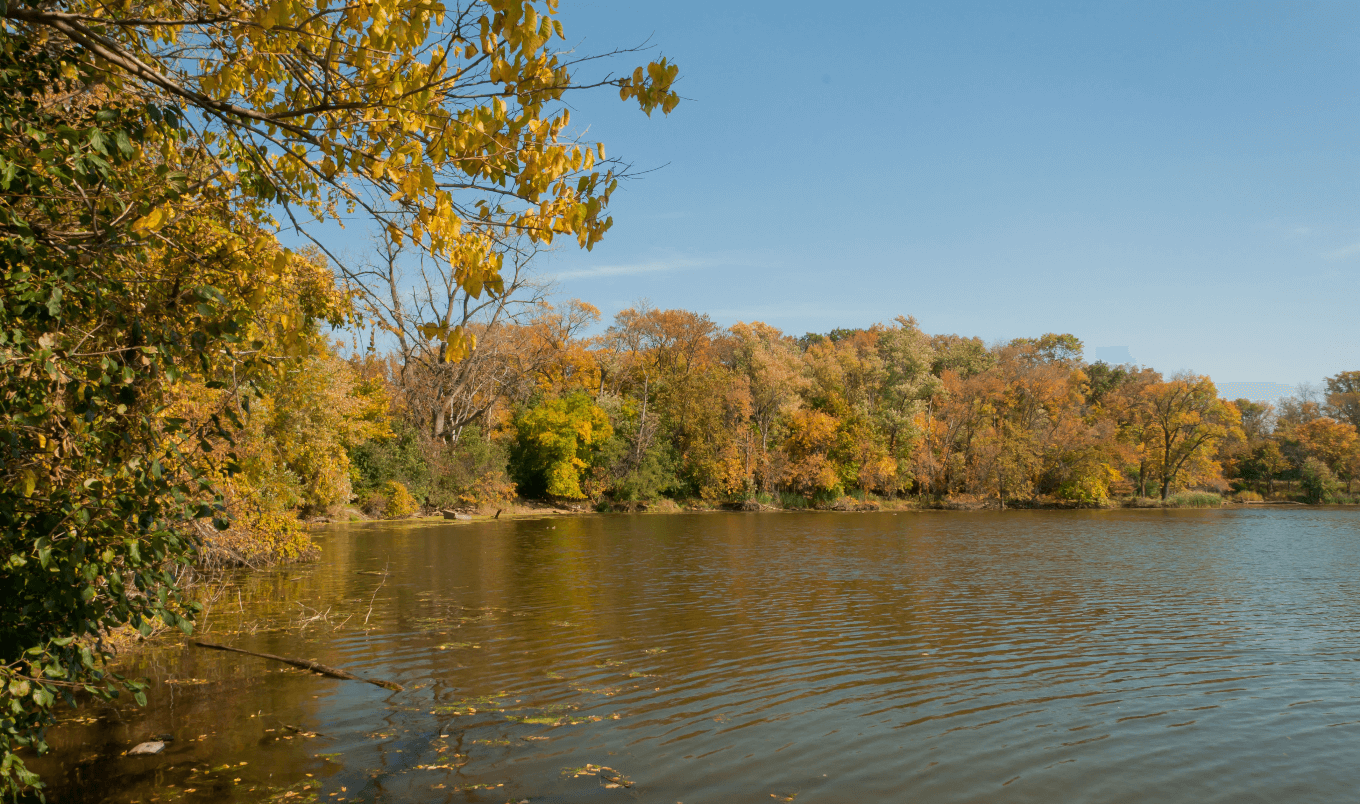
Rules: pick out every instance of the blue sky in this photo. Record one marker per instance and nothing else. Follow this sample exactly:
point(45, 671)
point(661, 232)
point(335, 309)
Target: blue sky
point(1176, 178)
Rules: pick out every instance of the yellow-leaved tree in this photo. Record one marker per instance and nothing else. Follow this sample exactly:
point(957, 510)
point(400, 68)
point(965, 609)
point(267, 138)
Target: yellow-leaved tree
point(443, 123)
point(1186, 420)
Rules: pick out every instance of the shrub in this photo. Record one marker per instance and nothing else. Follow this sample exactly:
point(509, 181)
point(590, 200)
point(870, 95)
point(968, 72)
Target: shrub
point(1318, 483)
point(1247, 495)
point(1091, 487)
point(469, 473)
point(399, 502)
point(1194, 499)
point(555, 440)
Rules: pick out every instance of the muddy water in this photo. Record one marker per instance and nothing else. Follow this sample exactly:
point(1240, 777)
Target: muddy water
point(1128, 656)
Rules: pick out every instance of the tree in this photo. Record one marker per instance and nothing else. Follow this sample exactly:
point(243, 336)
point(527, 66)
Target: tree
point(1318, 483)
point(906, 356)
point(1267, 461)
point(555, 442)
point(104, 476)
point(1343, 397)
point(1188, 419)
point(1332, 442)
point(443, 124)
point(767, 364)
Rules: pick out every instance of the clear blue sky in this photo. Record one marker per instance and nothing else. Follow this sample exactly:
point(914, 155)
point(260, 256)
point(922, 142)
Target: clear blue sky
point(1176, 178)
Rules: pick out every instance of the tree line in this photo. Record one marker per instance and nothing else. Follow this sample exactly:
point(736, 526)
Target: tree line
point(665, 405)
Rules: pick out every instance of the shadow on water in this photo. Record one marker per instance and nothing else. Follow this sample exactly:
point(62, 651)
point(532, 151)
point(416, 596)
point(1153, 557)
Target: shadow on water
point(1114, 656)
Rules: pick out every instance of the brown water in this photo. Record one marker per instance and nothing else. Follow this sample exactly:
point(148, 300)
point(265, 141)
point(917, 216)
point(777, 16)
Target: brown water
point(1170, 656)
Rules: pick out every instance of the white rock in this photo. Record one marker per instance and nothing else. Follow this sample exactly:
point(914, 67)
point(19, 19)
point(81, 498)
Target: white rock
point(147, 748)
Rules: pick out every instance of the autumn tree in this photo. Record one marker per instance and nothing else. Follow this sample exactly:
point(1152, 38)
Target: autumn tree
point(764, 360)
point(1187, 419)
point(556, 440)
point(1333, 443)
point(1343, 397)
point(906, 384)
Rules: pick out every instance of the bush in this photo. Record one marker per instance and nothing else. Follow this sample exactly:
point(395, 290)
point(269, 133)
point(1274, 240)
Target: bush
point(1318, 483)
point(401, 456)
point(1194, 499)
point(555, 441)
point(1247, 495)
point(399, 502)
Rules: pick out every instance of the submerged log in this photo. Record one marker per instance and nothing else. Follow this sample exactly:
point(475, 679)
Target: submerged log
point(304, 664)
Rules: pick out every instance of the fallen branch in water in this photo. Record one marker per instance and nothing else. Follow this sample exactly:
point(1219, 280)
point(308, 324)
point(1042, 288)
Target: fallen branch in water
point(315, 667)
point(375, 592)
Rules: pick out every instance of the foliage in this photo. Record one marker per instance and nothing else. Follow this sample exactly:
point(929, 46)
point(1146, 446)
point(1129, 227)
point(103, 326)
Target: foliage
point(397, 501)
point(1193, 499)
point(1343, 397)
point(1092, 488)
point(400, 454)
point(156, 357)
point(96, 488)
point(1332, 442)
point(469, 473)
point(1318, 483)
point(555, 441)
point(1187, 419)
point(445, 125)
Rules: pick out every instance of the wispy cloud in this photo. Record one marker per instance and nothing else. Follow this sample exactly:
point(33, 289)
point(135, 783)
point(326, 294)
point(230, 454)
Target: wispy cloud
point(635, 268)
point(1345, 252)
point(667, 265)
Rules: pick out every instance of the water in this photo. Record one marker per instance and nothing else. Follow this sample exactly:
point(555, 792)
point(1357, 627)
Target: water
point(1111, 656)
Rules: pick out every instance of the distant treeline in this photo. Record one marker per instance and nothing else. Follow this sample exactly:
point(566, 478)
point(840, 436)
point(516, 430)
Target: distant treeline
point(666, 405)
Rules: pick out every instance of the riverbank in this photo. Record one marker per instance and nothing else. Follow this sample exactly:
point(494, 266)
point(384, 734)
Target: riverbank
point(533, 509)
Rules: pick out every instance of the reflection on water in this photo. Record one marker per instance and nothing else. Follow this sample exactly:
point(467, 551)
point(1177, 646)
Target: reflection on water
point(1112, 656)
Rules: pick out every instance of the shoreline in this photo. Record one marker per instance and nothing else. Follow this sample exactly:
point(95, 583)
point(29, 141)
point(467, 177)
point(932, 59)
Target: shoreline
point(546, 510)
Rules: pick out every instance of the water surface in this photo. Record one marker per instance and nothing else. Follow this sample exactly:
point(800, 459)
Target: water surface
point(1112, 656)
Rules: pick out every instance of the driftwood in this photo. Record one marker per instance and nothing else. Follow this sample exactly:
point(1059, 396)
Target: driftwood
point(319, 669)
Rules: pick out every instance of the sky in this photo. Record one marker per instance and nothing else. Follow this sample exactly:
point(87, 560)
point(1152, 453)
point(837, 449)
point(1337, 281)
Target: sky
point(1175, 182)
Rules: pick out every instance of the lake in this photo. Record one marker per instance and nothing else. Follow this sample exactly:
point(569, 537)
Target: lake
point(1045, 656)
